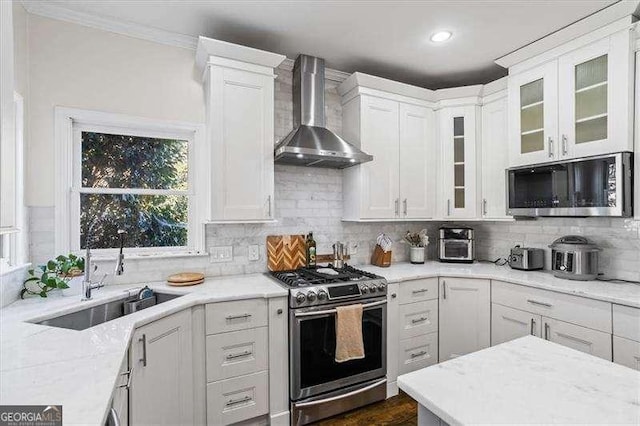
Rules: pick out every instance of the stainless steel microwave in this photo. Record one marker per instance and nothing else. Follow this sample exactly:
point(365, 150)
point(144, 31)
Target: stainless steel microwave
point(591, 186)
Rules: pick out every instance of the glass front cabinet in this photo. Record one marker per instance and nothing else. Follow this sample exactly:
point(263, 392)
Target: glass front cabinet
point(577, 105)
point(458, 136)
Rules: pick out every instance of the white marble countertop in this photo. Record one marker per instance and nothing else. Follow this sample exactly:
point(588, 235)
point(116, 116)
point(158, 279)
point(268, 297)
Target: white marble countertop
point(528, 380)
point(615, 292)
point(78, 369)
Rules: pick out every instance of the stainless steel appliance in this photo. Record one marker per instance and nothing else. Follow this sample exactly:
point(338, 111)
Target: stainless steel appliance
point(456, 244)
point(338, 254)
point(311, 143)
point(592, 186)
point(526, 258)
point(319, 386)
point(573, 257)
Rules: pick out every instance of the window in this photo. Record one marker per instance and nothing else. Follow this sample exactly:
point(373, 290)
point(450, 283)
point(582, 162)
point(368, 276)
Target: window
point(12, 245)
point(130, 174)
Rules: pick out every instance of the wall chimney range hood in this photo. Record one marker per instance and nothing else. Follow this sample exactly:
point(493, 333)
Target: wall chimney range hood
point(311, 143)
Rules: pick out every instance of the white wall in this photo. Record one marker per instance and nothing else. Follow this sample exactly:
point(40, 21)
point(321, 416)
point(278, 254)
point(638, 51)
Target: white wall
point(75, 66)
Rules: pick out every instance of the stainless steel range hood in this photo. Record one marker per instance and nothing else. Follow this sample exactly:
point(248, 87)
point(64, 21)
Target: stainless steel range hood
point(311, 143)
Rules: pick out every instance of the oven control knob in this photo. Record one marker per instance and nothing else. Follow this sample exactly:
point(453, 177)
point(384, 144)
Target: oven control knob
point(311, 296)
point(322, 295)
point(300, 297)
point(364, 289)
point(381, 287)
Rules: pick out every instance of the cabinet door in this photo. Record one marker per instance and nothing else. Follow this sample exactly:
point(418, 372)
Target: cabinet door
point(417, 162)
point(242, 141)
point(162, 385)
point(120, 401)
point(495, 159)
point(508, 324)
point(380, 178)
point(7, 123)
point(580, 338)
point(458, 161)
point(626, 352)
point(533, 115)
point(464, 316)
point(595, 96)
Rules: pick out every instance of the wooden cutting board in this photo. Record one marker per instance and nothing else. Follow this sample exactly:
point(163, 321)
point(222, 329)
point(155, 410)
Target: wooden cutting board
point(185, 279)
point(286, 252)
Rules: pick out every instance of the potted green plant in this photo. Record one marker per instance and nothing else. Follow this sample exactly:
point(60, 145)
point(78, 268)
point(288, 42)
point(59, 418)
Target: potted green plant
point(58, 273)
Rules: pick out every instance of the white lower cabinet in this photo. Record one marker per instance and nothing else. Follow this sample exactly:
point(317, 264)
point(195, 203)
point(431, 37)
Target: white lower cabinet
point(161, 361)
point(120, 399)
point(509, 324)
point(418, 352)
point(580, 338)
point(236, 353)
point(237, 399)
point(418, 318)
point(626, 336)
point(626, 352)
point(465, 318)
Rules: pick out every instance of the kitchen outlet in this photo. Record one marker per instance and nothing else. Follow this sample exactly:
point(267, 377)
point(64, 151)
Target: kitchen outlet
point(254, 252)
point(221, 254)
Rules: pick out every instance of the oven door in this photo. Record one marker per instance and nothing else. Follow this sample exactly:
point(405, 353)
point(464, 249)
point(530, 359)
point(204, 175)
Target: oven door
point(313, 369)
point(456, 250)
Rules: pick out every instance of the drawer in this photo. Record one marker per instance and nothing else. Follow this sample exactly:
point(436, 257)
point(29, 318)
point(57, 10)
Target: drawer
point(417, 290)
point(418, 352)
point(626, 322)
point(241, 398)
point(626, 352)
point(232, 316)
point(579, 338)
point(236, 353)
point(590, 313)
point(418, 318)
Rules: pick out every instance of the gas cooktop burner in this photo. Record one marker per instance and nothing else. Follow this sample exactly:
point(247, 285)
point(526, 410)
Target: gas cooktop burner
point(320, 286)
point(309, 277)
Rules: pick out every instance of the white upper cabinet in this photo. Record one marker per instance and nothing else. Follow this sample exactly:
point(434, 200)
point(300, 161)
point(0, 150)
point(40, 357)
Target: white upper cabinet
point(596, 98)
point(417, 162)
point(495, 158)
point(458, 163)
point(533, 115)
point(399, 132)
point(578, 102)
point(239, 91)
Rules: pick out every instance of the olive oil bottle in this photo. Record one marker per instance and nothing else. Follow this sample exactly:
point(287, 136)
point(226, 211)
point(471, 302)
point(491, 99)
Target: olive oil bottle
point(311, 251)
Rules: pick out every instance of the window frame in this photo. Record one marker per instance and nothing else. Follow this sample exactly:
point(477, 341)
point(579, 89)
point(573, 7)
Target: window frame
point(12, 253)
point(70, 123)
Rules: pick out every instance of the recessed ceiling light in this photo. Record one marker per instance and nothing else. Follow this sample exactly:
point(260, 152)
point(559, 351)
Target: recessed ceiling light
point(300, 156)
point(441, 36)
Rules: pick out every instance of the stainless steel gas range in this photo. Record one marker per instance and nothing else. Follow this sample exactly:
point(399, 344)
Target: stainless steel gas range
point(319, 386)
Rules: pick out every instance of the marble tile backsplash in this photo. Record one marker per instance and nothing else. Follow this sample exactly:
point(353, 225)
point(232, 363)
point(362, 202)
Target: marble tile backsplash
point(310, 199)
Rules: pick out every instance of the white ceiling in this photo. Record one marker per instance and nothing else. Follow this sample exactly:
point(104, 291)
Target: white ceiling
point(385, 38)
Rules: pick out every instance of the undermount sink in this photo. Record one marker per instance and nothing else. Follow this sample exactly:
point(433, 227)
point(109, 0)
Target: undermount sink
point(99, 314)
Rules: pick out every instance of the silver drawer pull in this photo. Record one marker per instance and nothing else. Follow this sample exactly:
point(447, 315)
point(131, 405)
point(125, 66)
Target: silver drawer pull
point(233, 317)
point(233, 402)
point(422, 290)
point(535, 302)
point(129, 375)
point(417, 320)
point(239, 355)
point(575, 339)
point(417, 354)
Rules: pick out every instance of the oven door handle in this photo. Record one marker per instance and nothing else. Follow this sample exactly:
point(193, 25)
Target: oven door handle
point(346, 395)
point(333, 311)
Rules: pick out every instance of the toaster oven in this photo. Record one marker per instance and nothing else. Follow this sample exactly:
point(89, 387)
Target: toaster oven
point(456, 245)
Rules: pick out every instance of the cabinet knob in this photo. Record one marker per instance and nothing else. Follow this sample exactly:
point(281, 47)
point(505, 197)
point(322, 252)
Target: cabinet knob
point(393, 295)
point(279, 311)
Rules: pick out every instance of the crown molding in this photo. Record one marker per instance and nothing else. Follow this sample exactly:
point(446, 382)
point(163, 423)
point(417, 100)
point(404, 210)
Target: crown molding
point(329, 73)
point(53, 11)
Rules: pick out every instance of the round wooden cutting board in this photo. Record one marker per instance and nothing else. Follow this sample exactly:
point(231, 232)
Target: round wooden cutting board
point(185, 279)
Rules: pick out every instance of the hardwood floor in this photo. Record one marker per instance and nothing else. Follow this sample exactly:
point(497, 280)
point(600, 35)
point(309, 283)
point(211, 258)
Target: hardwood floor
point(399, 410)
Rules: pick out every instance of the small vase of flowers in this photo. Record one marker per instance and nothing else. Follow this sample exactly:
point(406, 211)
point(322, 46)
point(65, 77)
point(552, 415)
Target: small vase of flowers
point(63, 272)
point(418, 241)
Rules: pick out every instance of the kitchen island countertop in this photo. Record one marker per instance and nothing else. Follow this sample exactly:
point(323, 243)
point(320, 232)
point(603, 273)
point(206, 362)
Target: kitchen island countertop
point(526, 381)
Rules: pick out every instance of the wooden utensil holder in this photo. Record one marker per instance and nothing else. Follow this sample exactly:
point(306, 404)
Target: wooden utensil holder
point(380, 257)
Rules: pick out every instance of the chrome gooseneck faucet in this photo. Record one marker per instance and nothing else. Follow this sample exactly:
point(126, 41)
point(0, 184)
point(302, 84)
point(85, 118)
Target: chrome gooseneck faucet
point(87, 285)
point(120, 261)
